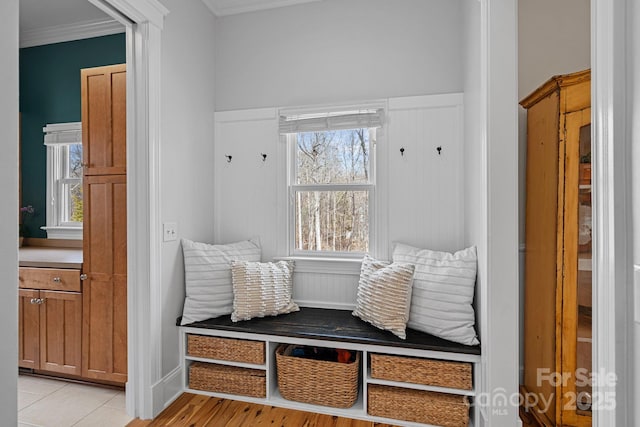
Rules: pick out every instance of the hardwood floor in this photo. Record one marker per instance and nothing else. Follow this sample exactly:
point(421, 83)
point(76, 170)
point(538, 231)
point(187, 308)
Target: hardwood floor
point(192, 410)
point(527, 419)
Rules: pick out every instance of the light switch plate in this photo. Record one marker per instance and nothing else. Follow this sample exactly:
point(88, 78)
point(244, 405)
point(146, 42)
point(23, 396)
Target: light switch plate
point(169, 231)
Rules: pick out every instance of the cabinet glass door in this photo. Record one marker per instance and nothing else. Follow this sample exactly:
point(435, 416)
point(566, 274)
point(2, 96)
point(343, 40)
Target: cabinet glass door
point(576, 337)
point(584, 337)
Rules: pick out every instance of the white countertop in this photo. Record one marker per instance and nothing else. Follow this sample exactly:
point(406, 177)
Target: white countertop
point(49, 257)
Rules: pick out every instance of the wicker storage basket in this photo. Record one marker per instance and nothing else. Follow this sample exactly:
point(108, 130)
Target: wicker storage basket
point(447, 410)
point(226, 349)
point(227, 379)
point(317, 381)
point(422, 371)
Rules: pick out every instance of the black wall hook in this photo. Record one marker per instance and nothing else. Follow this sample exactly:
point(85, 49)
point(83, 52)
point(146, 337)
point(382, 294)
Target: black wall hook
point(439, 149)
point(264, 157)
point(402, 151)
point(228, 158)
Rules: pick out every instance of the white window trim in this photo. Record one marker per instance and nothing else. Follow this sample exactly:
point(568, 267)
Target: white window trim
point(56, 136)
point(331, 262)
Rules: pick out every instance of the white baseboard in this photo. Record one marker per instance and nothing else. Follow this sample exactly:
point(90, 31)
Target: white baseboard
point(167, 390)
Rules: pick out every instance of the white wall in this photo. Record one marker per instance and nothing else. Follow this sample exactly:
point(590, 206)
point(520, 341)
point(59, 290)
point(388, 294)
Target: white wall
point(633, 73)
point(474, 151)
point(186, 151)
point(553, 38)
point(337, 50)
point(8, 211)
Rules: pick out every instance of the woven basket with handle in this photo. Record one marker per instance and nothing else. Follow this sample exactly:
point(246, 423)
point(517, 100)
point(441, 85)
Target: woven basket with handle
point(318, 382)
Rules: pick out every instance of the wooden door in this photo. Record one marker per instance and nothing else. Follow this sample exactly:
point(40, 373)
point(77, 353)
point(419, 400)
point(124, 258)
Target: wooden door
point(28, 329)
point(61, 332)
point(104, 117)
point(104, 338)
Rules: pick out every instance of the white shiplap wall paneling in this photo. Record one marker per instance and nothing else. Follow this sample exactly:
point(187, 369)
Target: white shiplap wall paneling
point(426, 197)
point(424, 189)
point(325, 290)
point(245, 187)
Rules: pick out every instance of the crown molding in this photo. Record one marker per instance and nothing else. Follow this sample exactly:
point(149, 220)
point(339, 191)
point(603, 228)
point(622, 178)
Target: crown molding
point(69, 32)
point(151, 11)
point(225, 8)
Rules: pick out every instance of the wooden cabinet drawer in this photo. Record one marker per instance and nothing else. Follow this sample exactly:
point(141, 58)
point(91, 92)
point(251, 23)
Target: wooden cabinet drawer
point(50, 279)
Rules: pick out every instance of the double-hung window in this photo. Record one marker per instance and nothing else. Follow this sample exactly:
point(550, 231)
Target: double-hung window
point(331, 181)
point(64, 180)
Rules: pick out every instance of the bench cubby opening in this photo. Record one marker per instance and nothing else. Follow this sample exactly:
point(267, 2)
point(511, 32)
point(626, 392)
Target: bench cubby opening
point(336, 329)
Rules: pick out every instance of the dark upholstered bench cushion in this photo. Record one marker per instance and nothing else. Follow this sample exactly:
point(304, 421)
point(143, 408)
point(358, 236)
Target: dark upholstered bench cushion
point(334, 325)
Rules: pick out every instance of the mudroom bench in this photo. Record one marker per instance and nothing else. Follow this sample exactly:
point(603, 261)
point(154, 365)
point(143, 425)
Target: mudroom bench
point(420, 381)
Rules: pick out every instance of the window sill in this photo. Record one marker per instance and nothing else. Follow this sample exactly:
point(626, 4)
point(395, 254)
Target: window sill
point(68, 233)
point(325, 265)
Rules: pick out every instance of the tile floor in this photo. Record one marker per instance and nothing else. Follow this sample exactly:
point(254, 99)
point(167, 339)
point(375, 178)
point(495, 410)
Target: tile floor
point(44, 402)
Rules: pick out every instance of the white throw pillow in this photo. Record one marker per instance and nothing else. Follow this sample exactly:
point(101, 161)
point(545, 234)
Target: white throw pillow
point(384, 294)
point(443, 288)
point(262, 289)
point(207, 268)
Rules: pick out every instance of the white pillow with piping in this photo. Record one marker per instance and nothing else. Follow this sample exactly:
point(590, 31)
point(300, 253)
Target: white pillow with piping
point(443, 289)
point(207, 268)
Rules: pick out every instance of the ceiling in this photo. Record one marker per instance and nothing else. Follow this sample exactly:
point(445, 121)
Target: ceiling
point(53, 21)
point(38, 14)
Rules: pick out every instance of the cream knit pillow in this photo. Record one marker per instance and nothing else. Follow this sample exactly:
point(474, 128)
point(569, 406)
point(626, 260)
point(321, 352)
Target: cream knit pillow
point(384, 295)
point(262, 289)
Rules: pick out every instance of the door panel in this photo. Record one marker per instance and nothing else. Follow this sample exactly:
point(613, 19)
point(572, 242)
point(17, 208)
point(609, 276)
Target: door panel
point(104, 119)
point(105, 290)
point(61, 332)
point(29, 329)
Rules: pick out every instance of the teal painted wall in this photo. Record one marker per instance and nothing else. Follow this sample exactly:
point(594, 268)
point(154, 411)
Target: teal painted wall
point(50, 93)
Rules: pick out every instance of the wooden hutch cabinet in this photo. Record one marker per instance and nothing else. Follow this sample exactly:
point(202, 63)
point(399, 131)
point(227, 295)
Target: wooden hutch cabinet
point(104, 332)
point(74, 324)
point(557, 328)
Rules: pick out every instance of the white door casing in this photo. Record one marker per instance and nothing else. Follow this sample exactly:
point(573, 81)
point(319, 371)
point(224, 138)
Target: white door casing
point(143, 20)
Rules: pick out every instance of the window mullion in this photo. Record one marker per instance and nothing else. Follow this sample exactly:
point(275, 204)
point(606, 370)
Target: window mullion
point(332, 187)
